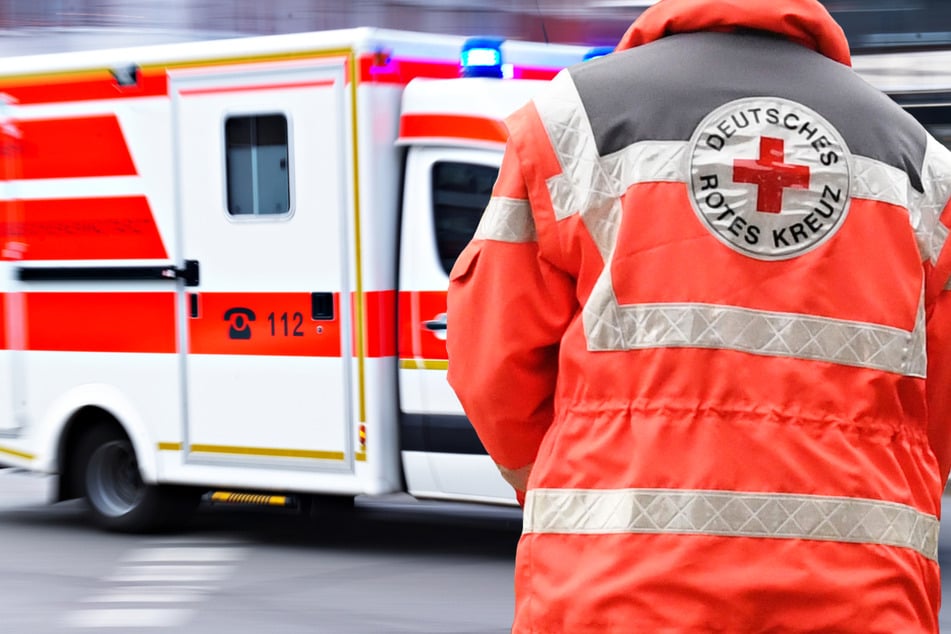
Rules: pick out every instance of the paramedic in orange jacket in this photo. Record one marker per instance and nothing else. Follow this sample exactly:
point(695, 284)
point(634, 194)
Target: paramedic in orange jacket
point(703, 328)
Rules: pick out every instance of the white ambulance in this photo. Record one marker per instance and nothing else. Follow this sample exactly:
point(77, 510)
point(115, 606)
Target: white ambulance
point(224, 264)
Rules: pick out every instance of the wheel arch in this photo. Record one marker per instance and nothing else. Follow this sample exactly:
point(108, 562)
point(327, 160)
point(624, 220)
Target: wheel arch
point(82, 410)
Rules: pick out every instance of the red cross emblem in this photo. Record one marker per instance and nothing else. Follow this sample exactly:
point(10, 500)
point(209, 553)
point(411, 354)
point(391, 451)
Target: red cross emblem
point(770, 174)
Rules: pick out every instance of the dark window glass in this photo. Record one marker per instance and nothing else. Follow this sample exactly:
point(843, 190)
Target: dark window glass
point(256, 165)
point(460, 193)
point(937, 119)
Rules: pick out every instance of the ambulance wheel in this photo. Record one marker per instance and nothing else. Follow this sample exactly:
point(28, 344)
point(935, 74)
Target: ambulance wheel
point(117, 498)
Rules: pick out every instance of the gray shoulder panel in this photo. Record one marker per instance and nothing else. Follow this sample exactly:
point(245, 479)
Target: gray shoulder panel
point(663, 90)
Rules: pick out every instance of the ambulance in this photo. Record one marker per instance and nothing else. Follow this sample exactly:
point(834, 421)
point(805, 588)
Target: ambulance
point(224, 265)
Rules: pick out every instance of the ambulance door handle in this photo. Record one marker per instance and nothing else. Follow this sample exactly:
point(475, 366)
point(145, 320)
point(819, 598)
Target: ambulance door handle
point(189, 273)
point(437, 324)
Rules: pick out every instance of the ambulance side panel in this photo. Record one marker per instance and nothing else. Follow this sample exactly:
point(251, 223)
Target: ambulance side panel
point(88, 207)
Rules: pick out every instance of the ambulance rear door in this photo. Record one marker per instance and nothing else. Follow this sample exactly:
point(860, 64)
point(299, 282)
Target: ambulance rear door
point(262, 193)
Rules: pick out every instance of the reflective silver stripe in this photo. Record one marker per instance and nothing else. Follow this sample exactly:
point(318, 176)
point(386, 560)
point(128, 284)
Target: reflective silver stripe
point(918, 346)
point(760, 332)
point(506, 220)
point(729, 513)
point(874, 180)
point(926, 209)
point(566, 122)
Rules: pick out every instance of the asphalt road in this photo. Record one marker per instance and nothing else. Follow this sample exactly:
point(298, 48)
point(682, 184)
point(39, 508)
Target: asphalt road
point(393, 565)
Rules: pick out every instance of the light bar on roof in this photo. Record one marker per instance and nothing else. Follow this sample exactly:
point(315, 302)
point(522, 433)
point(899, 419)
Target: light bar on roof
point(482, 57)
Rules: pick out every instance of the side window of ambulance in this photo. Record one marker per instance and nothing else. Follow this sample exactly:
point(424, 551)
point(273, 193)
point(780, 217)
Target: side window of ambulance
point(460, 194)
point(256, 165)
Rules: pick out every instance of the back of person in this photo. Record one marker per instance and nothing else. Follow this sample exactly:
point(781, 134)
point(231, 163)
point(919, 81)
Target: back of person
point(727, 377)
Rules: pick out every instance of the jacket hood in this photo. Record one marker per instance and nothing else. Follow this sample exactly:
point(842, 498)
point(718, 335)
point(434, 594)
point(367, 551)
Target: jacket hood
point(803, 21)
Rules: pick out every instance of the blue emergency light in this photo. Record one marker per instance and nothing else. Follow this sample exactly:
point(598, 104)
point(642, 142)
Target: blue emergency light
point(598, 51)
point(482, 57)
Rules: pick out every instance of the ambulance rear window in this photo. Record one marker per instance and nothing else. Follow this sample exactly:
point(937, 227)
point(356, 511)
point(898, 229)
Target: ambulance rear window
point(460, 193)
point(256, 161)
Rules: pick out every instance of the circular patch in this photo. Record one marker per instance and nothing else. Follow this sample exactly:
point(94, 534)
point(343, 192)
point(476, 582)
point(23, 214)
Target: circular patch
point(769, 177)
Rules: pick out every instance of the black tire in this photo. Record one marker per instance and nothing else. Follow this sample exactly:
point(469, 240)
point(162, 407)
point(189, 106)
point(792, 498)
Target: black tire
point(117, 498)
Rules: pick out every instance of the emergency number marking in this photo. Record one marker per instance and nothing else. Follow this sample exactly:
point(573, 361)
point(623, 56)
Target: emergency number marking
point(769, 177)
point(282, 324)
point(286, 325)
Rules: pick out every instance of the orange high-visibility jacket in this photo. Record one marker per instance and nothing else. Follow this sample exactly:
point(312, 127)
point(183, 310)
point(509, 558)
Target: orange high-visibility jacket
point(706, 315)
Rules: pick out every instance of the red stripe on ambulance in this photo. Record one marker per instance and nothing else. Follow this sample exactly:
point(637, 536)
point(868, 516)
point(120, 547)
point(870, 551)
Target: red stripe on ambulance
point(283, 324)
point(100, 322)
point(75, 147)
point(268, 324)
point(415, 126)
point(256, 87)
point(382, 69)
point(263, 324)
point(83, 229)
point(380, 317)
point(526, 72)
point(82, 86)
point(415, 340)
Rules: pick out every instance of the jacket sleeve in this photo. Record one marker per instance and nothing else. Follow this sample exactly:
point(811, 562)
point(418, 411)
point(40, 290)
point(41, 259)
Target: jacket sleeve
point(938, 312)
point(939, 380)
point(507, 311)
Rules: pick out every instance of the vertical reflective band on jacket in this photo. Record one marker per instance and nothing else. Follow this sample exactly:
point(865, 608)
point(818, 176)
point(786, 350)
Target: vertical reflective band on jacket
point(506, 220)
point(731, 514)
point(591, 186)
point(927, 208)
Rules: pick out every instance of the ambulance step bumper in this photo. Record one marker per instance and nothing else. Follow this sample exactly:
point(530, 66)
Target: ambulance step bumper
point(252, 499)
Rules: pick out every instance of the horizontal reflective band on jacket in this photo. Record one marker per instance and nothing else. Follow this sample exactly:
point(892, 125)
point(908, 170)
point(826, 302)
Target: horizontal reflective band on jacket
point(506, 220)
point(857, 344)
point(731, 514)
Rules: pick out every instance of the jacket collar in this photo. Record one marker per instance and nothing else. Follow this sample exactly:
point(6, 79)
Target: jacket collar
point(803, 21)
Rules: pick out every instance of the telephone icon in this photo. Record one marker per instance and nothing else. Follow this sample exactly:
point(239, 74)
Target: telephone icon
point(239, 318)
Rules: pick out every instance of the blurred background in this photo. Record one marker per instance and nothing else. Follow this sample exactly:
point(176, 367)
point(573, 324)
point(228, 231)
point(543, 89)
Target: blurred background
point(54, 25)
